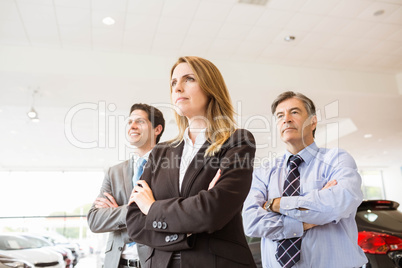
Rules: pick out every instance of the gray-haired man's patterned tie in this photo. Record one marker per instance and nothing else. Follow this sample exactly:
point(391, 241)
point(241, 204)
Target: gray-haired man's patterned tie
point(288, 251)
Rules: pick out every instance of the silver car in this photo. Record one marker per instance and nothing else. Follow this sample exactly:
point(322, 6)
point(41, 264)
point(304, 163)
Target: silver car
point(19, 247)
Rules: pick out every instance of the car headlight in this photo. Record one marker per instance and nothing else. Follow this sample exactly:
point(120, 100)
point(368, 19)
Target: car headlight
point(16, 264)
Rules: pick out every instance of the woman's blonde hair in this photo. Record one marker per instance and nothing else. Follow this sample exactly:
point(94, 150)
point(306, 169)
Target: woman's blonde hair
point(219, 112)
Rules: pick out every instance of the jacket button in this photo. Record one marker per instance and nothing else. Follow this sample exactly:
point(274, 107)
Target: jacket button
point(120, 248)
point(167, 239)
point(159, 225)
point(175, 236)
point(164, 225)
point(154, 224)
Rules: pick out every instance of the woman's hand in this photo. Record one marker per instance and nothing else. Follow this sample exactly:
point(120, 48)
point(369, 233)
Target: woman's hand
point(142, 195)
point(214, 180)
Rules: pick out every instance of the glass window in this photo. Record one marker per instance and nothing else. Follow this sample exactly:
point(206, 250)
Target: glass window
point(45, 193)
point(372, 184)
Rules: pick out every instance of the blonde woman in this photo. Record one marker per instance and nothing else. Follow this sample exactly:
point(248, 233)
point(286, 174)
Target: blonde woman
point(187, 205)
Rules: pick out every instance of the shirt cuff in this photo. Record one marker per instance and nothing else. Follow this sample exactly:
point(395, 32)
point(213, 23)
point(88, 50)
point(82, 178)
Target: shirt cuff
point(288, 203)
point(292, 228)
point(290, 207)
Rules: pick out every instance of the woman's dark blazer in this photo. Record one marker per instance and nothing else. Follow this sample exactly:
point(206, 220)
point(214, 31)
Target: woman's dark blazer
point(205, 226)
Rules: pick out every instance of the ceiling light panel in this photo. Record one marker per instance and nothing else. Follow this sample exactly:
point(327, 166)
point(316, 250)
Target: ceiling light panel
point(37, 2)
point(73, 3)
point(262, 35)
point(145, 7)
point(368, 13)
point(397, 36)
point(319, 6)
point(250, 49)
point(395, 17)
point(357, 28)
point(8, 10)
point(381, 31)
point(274, 18)
point(194, 45)
point(175, 9)
point(131, 40)
point(72, 17)
point(304, 22)
point(75, 37)
point(331, 25)
point(140, 23)
point(37, 13)
point(212, 11)
point(108, 5)
point(315, 40)
point(245, 14)
point(168, 41)
point(254, 2)
point(222, 47)
point(289, 5)
point(234, 31)
point(349, 9)
point(177, 26)
point(12, 32)
point(200, 28)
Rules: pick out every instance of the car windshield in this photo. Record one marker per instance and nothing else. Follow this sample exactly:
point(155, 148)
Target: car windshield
point(388, 220)
point(38, 242)
point(56, 240)
point(11, 242)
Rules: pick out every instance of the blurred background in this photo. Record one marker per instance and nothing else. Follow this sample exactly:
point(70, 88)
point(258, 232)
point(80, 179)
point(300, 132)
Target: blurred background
point(71, 69)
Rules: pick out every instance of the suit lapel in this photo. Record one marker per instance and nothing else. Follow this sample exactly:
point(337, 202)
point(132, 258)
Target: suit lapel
point(174, 156)
point(198, 162)
point(128, 178)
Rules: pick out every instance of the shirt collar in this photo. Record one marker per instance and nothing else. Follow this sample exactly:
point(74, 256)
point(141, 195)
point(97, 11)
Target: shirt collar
point(199, 141)
point(307, 153)
point(136, 157)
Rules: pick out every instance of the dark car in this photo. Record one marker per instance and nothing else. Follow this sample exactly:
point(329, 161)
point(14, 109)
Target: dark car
point(380, 234)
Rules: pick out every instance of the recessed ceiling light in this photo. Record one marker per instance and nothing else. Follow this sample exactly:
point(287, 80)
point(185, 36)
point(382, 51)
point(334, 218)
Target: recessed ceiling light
point(108, 21)
point(112, 107)
point(379, 12)
point(368, 136)
point(32, 113)
point(290, 38)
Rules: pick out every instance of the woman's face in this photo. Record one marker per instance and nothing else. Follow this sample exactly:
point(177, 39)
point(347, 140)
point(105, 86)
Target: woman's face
point(187, 95)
